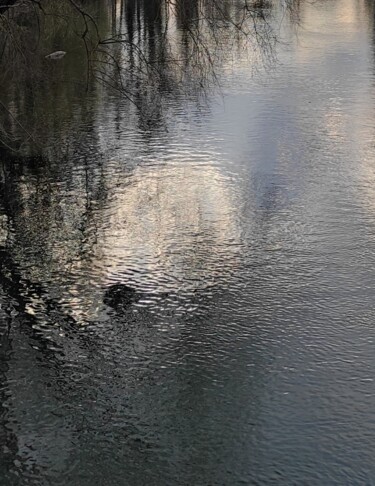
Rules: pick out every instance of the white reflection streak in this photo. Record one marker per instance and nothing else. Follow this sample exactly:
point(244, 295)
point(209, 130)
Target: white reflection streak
point(168, 229)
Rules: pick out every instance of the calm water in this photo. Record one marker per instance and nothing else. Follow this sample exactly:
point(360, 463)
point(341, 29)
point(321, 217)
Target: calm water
point(192, 302)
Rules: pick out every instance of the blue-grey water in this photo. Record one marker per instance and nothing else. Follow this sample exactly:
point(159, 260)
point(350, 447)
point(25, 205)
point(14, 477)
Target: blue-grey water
point(192, 302)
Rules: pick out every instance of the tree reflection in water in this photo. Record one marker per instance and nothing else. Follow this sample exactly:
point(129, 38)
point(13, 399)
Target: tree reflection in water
point(145, 51)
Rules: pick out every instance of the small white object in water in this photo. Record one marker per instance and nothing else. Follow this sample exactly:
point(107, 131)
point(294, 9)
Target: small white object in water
point(55, 56)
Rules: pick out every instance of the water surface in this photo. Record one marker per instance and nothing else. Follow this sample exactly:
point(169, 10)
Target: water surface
point(190, 302)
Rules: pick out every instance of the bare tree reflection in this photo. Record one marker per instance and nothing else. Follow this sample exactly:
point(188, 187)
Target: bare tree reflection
point(144, 50)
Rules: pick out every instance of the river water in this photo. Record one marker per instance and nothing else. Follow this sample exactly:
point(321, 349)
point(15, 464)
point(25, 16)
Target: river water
point(191, 301)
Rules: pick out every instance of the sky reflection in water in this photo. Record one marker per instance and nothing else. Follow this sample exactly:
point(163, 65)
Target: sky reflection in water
point(193, 304)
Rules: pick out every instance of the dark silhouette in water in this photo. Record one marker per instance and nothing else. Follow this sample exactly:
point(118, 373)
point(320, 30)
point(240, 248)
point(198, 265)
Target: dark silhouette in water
point(121, 296)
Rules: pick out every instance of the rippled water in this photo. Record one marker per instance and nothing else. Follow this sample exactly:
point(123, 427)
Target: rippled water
point(193, 303)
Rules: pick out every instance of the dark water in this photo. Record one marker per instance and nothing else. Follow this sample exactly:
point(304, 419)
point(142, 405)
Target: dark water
point(192, 302)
